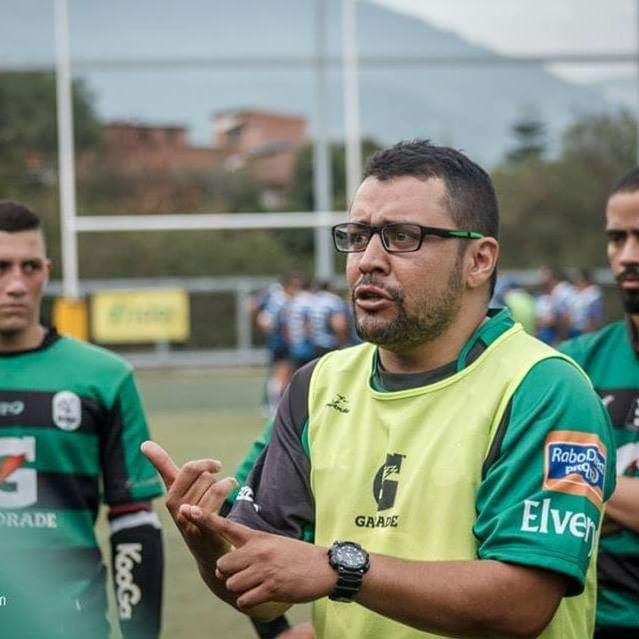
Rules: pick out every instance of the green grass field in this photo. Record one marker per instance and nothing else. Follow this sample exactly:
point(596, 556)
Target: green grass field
point(196, 414)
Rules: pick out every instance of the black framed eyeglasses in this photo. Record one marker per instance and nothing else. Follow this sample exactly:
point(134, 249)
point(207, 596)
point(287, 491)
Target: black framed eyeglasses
point(403, 237)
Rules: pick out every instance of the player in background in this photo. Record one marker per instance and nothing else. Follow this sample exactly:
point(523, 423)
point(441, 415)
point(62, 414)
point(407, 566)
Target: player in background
point(270, 317)
point(299, 330)
point(555, 307)
point(611, 359)
point(588, 305)
point(329, 320)
point(71, 422)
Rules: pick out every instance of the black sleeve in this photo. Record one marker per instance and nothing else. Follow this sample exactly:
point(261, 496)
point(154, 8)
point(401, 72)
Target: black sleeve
point(137, 562)
point(277, 497)
point(271, 629)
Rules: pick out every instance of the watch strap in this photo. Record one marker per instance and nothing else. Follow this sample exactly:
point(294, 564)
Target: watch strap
point(349, 577)
point(348, 584)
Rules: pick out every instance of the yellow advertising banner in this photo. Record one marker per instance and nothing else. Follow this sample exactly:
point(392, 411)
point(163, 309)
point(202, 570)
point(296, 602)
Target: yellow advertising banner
point(140, 316)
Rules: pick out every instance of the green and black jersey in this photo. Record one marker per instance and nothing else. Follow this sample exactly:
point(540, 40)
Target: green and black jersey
point(71, 423)
point(612, 362)
point(504, 454)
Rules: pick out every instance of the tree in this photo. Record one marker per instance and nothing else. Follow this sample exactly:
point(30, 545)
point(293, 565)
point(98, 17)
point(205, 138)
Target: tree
point(302, 197)
point(530, 138)
point(606, 144)
point(28, 128)
point(552, 211)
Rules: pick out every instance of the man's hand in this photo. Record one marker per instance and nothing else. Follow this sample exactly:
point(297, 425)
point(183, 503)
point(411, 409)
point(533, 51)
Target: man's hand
point(264, 567)
point(194, 484)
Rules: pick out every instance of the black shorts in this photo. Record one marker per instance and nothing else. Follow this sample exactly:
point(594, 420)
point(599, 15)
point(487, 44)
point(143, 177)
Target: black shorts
point(279, 354)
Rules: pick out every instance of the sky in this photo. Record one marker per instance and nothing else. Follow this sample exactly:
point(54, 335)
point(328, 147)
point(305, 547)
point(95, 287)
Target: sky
point(538, 26)
point(511, 26)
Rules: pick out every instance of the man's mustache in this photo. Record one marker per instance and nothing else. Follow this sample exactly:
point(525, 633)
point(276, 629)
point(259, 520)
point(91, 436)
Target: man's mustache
point(369, 280)
point(630, 272)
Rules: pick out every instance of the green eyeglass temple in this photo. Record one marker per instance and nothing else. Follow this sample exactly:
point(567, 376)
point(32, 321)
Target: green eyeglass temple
point(468, 235)
point(424, 230)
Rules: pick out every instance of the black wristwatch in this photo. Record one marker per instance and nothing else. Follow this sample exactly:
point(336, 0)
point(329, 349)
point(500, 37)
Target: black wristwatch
point(350, 561)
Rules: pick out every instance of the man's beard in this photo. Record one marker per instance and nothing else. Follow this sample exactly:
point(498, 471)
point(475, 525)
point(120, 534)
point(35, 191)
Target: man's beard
point(630, 299)
point(405, 331)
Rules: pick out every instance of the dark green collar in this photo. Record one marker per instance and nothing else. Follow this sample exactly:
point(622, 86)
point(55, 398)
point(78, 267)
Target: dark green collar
point(498, 321)
point(50, 337)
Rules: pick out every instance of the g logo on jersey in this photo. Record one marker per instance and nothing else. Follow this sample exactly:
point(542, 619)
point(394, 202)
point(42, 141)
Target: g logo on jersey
point(386, 481)
point(18, 486)
point(67, 410)
point(575, 463)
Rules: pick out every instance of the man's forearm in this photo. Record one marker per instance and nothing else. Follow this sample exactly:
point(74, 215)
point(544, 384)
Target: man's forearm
point(479, 598)
point(623, 506)
point(465, 598)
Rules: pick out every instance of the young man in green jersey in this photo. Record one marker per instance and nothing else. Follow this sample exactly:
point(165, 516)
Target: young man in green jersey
point(71, 422)
point(611, 358)
point(444, 478)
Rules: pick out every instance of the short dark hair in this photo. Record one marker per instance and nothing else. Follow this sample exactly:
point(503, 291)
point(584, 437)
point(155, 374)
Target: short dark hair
point(628, 183)
point(16, 217)
point(470, 195)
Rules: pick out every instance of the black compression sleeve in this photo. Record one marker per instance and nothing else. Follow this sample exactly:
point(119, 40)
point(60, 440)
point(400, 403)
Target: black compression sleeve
point(137, 562)
point(271, 629)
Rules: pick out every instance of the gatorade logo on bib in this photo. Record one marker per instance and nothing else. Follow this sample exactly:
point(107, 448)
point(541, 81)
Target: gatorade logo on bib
point(575, 463)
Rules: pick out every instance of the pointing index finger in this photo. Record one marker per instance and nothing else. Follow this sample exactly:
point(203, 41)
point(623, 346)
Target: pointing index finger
point(161, 460)
point(236, 534)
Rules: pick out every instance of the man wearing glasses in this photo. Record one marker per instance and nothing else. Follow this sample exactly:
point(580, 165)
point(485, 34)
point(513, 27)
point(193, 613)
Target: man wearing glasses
point(449, 472)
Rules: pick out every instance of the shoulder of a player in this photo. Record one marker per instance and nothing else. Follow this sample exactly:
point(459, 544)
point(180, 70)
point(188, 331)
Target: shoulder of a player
point(579, 347)
point(94, 358)
point(554, 379)
point(556, 395)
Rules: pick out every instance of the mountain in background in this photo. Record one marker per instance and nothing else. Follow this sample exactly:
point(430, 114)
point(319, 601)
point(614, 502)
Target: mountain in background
point(471, 107)
point(620, 90)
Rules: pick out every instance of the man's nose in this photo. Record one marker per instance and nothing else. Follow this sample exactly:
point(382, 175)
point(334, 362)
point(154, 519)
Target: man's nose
point(630, 251)
point(15, 284)
point(374, 257)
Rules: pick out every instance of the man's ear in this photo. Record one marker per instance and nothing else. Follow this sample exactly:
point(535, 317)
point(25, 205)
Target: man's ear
point(482, 258)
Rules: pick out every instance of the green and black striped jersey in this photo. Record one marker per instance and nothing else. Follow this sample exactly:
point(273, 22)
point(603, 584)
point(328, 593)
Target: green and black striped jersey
point(612, 362)
point(71, 424)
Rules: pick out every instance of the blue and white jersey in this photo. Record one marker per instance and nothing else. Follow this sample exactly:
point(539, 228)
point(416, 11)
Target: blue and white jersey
point(325, 306)
point(588, 309)
point(298, 326)
point(272, 310)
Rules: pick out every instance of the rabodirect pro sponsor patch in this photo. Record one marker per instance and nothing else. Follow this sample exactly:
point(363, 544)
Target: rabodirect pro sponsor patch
point(575, 463)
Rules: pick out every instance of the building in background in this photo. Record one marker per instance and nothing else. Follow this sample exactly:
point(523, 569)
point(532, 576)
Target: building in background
point(261, 143)
point(135, 147)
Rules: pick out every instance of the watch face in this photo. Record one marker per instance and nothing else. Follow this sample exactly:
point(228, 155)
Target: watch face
point(350, 556)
